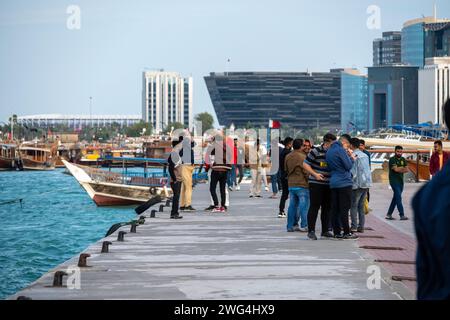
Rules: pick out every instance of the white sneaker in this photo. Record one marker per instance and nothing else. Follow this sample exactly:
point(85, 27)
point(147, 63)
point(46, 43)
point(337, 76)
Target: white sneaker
point(238, 187)
point(266, 188)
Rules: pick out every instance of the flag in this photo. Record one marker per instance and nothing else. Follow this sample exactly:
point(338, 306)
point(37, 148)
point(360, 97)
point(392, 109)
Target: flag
point(273, 124)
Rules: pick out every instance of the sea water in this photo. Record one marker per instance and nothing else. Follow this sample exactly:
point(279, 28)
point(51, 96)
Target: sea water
point(55, 221)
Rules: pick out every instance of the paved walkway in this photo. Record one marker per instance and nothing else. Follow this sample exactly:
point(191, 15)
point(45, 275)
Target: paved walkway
point(244, 254)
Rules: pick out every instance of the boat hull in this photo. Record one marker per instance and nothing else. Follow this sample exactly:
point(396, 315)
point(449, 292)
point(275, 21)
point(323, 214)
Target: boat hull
point(29, 164)
point(6, 164)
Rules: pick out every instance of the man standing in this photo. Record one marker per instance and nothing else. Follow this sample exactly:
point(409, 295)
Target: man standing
point(362, 181)
point(187, 169)
point(257, 170)
point(298, 188)
point(174, 161)
point(432, 218)
point(283, 177)
point(398, 166)
point(319, 188)
point(438, 159)
point(340, 160)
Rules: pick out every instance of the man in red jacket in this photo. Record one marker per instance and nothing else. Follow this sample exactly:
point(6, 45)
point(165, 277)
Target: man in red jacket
point(438, 159)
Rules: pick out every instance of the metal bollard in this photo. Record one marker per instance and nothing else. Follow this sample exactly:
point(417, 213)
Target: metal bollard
point(121, 235)
point(153, 214)
point(133, 227)
point(168, 203)
point(105, 246)
point(141, 220)
point(82, 261)
point(58, 278)
point(161, 208)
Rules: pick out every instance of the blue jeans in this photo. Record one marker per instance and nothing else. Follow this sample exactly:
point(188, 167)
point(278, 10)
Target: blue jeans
point(396, 199)
point(274, 180)
point(357, 213)
point(298, 207)
point(231, 178)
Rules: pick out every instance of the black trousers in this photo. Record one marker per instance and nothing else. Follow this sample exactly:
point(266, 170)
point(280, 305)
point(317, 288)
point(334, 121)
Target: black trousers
point(241, 172)
point(284, 193)
point(341, 202)
point(320, 198)
point(221, 178)
point(176, 188)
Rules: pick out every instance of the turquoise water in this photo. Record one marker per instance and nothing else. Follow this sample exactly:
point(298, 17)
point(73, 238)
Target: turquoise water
point(57, 220)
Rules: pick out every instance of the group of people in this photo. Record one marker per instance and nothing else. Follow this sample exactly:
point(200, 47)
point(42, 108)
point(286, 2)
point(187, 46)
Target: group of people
point(334, 178)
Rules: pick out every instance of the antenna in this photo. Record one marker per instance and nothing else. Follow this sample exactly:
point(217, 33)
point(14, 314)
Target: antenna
point(435, 11)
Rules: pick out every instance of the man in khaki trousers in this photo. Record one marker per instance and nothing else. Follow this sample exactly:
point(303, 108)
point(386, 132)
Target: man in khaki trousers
point(187, 169)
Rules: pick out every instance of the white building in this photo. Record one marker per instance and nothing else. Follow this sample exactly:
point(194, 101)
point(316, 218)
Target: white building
point(166, 98)
point(77, 121)
point(434, 89)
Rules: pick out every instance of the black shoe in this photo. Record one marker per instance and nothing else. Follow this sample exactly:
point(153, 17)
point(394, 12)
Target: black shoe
point(210, 208)
point(360, 230)
point(327, 234)
point(403, 218)
point(350, 236)
point(176, 217)
point(339, 236)
point(182, 208)
point(390, 217)
point(189, 208)
point(312, 235)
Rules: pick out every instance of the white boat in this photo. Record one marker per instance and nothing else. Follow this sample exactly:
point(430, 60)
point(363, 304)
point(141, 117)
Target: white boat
point(114, 189)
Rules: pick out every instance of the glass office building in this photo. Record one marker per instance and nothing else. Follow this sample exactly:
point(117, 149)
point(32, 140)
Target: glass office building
point(354, 109)
point(300, 100)
point(413, 43)
point(388, 49)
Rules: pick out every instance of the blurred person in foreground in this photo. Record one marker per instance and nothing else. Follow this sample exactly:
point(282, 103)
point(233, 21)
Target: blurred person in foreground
point(431, 207)
point(438, 159)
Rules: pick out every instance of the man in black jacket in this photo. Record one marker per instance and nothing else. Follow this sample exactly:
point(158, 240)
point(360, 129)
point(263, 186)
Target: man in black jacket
point(176, 179)
point(283, 177)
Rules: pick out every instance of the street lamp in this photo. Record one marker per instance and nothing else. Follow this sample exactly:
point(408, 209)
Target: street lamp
point(403, 101)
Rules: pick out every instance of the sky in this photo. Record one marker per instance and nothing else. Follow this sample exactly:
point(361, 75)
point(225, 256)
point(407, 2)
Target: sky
point(45, 67)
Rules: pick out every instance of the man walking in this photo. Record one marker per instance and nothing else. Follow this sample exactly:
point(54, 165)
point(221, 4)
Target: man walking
point(340, 160)
point(319, 188)
point(283, 177)
point(398, 166)
point(362, 181)
point(298, 188)
point(257, 170)
point(438, 159)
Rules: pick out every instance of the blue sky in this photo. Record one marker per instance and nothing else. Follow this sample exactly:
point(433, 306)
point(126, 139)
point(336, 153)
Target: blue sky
point(46, 68)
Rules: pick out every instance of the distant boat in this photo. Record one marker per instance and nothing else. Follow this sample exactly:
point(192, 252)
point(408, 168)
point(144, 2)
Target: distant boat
point(8, 156)
point(113, 189)
point(38, 156)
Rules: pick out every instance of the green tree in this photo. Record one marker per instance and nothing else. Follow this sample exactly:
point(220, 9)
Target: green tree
point(206, 120)
point(174, 125)
point(137, 129)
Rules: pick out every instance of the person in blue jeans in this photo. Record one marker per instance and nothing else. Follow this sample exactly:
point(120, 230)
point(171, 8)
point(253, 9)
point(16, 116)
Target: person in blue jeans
point(298, 189)
point(398, 166)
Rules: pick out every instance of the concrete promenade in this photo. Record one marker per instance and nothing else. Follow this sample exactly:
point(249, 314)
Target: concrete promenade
point(243, 254)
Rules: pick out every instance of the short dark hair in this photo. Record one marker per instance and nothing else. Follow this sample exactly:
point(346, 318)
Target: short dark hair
point(346, 137)
point(329, 137)
point(298, 143)
point(355, 142)
point(307, 140)
point(438, 142)
point(398, 148)
point(447, 113)
point(362, 142)
point(288, 140)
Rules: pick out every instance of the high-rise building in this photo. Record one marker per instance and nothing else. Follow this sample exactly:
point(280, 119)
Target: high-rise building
point(388, 49)
point(434, 90)
point(354, 111)
point(393, 96)
point(167, 98)
point(77, 121)
point(301, 100)
point(437, 39)
point(423, 38)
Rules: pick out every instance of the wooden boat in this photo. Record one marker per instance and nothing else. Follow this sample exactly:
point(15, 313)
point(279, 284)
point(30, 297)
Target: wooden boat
point(91, 156)
point(38, 156)
point(8, 156)
point(113, 189)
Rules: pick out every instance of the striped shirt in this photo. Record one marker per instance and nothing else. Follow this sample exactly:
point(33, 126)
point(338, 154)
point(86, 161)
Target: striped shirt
point(317, 160)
